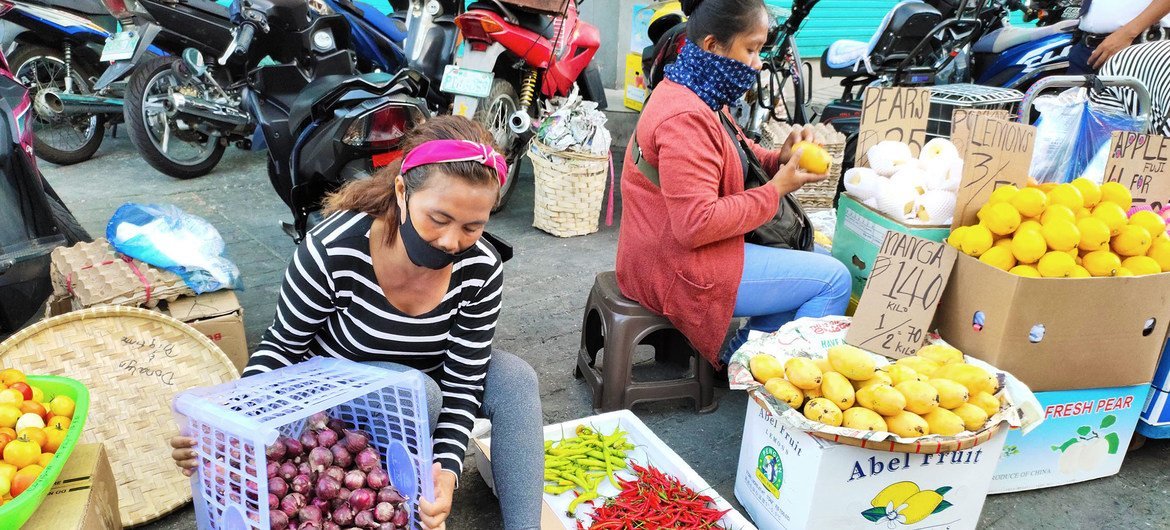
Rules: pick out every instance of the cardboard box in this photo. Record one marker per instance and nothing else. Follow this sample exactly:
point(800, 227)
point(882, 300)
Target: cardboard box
point(788, 479)
point(1084, 436)
point(85, 496)
point(1057, 333)
point(635, 92)
point(860, 232)
point(217, 315)
point(648, 448)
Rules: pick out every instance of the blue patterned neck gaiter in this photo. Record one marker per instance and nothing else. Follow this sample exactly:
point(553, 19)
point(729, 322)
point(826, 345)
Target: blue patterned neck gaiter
point(716, 79)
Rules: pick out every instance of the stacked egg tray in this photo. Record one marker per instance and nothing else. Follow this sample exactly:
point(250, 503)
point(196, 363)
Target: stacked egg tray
point(90, 274)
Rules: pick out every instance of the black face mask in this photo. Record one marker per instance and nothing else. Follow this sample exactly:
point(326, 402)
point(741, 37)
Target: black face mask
point(419, 251)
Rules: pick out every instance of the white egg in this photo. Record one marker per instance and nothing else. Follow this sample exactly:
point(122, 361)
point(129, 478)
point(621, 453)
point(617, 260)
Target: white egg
point(885, 157)
point(897, 202)
point(862, 183)
point(935, 207)
point(938, 148)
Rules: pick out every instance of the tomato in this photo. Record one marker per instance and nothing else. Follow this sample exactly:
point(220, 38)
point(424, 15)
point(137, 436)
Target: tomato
point(62, 406)
point(45, 459)
point(5, 486)
point(11, 375)
point(4, 439)
point(36, 434)
point(9, 414)
point(7, 471)
point(25, 478)
point(32, 407)
point(11, 397)
point(59, 421)
point(9, 430)
point(54, 437)
point(38, 395)
point(22, 452)
point(23, 388)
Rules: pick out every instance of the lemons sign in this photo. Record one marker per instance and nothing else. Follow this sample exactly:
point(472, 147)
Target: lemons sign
point(770, 470)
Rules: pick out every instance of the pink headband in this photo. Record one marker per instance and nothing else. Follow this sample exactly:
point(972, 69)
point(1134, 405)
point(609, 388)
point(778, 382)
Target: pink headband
point(442, 151)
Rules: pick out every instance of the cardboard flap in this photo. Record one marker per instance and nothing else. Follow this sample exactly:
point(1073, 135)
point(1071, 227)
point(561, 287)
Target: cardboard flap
point(900, 114)
point(205, 306)
point(996, 152)
point(1139, 162)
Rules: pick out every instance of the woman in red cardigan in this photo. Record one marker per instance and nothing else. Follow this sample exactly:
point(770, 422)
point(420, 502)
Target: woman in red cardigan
point(681, 249)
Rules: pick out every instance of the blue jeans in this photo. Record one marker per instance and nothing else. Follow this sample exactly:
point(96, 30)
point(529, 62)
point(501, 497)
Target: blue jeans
point(1078, 60)
point(511, 400)
point(781, 285)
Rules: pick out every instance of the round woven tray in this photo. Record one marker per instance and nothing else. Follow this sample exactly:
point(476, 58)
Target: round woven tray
point(959, 443)
point(133, 361)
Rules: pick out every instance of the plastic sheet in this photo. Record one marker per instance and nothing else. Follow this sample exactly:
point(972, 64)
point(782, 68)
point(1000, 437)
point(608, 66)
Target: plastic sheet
point(1072, 134)
point(165, 236)
point(573, 124)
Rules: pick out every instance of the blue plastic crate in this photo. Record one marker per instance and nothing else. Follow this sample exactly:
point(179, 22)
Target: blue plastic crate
point(234, 422)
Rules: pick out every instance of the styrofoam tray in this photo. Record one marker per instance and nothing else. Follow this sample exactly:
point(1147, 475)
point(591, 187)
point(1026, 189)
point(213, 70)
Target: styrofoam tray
point(649, 449)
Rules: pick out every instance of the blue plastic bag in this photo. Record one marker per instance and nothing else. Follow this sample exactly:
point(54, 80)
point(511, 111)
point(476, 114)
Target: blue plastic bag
point(1072, 132)
point(165, 236)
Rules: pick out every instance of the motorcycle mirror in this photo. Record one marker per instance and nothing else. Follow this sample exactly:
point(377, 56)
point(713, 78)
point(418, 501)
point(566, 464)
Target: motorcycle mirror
point(193, 60)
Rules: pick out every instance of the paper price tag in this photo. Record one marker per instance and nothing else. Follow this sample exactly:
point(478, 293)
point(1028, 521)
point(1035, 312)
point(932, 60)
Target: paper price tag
point(1139, 162)
point(995, 152)
point(898, 114)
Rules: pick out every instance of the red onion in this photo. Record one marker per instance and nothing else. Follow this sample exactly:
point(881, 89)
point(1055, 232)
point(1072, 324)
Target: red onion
point(278, 519)
point(292, 503)
point(327, 438)
point(335, 472)
point(390, 494)
point(293, 448)
point(273, 469)
point(367, 460)
point(327, 488)
point(320, 458)
point(361, 499)
point(301, 484)
point(335, 425)
point(343, 515)
point(310, 514)
point(377, 479)
point(341, 456)
point(330, 525)
point(317, 421)
point(308, 440)
point(320, 503)
point(387, 526)
point(278, 486)
point(344, 493)
point(384, 512)
point(304, 468)
point(364, 519)
point(355, 442)
point(308, 525)
point(273, 501)
point(288, 470)
point(355, 479)
point(400, 518)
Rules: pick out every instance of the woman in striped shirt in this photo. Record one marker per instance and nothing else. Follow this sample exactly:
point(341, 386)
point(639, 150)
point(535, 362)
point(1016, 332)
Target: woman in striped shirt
point(419, 290)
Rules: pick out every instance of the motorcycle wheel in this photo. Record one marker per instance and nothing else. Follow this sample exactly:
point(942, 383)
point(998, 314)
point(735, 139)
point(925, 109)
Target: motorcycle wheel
point(182, 154)
point(67, 223)
point(61, 140)
point(493, 113)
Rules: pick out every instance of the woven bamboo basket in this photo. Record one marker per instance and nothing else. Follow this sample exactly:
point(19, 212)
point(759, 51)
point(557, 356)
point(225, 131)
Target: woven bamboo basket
point(133, 361)
point(569, 190)
point(818, 194)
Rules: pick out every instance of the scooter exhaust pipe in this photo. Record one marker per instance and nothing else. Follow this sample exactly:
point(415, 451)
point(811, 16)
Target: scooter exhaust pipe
point(201, 110)
point(520, 122)
point(56, 103)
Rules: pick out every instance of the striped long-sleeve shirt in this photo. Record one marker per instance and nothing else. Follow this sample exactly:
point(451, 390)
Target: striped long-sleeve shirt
point(332, 305)
point(1150, 64)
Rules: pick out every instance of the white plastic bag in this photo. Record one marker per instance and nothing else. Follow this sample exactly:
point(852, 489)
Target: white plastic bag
point(165, 236)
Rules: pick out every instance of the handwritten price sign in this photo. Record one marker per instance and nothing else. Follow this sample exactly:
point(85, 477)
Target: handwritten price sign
point(902, 295)
point(1141, 162)
point(897, 114)
point(995, 152)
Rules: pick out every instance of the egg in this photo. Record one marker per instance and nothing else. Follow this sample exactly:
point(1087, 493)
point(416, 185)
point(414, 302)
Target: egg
point(863, 183)
point(885, 157)
point(936, 207)
point(938, 148)
point(897, 201)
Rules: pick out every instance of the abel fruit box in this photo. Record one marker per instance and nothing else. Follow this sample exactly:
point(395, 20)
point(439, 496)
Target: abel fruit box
point(789, 479)
point(1084, 436)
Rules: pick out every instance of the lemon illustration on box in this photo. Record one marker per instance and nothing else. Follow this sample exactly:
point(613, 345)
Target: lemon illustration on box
point(770, 470)
point(904, 503)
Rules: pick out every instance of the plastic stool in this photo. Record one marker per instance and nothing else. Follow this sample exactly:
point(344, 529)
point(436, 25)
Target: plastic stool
point(617, 325)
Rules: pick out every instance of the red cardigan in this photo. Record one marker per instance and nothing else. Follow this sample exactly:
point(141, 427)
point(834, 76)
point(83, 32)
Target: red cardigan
point(680, 246)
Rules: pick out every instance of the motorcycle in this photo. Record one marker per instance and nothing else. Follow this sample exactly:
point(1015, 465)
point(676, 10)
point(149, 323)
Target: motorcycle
point(1049, 12)
point(37, 220)
point(54, 49)
point(516, 58)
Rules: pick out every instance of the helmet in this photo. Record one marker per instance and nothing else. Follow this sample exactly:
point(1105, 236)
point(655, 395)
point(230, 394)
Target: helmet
point(665, 17)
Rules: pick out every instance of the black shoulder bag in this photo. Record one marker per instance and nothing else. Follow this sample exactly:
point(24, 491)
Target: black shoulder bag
point(790, 228)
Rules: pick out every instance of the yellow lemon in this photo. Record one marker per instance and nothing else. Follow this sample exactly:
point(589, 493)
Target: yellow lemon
point(1160, 251)
point(1029, 224)
point(976, 241)
point(1001, 218)
point(1132, 241)
point(1003, 194)
point(1000, 257)
point(1141, 265)
point(1030, 202)
point(1089, 190)
point(1080, 272)
point(1025, 270)
point(1151, 221)
point(1067, 195)
point(1058, 211)
point(1122, 271)
point(1101, 263)
point(1117, 194)
point(955, 239)
point(1083, 213)
point(1113, 215)
point(813, 157)
point(1005, 242)
point(1095, 234)
point(1061, 235)
point(1056, 264)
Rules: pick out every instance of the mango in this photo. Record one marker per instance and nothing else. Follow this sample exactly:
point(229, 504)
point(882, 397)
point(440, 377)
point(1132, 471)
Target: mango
point(837, 389)
point(823, 364)
point(901, 373)
point(921, 398)
point(824, 411)
point(988, 402)
point(803, 373)
point(785, 391)
point(974, 418)
point(944, 422)
point(921, 365)
point(863, 419)
point(950, 393)
point(813, 393)
point(941, 353)
point(973, 377)
point(879, 377)
point(907, 424)
point(852, 362)
point(882, 399)
point(764, 367)
point(920, 505)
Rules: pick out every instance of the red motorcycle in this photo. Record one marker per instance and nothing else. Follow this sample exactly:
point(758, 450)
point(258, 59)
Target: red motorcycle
point(511, 52)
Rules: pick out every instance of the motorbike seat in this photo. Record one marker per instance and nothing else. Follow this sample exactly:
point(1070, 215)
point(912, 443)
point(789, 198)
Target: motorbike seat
point(530, 20)
point(393, 28)
point(1011, 36)
point(902, 28)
